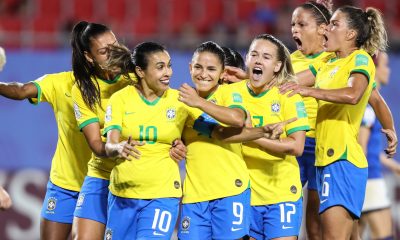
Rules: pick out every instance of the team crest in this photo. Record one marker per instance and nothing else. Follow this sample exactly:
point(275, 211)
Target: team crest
point(81, 198)
point(275, 107)
point(51, 204)
point(108, 234)
point(171, 114)
point(77, 112)
point(213, 101)
point(185, 223)
point(237, 98)
point(108, 114)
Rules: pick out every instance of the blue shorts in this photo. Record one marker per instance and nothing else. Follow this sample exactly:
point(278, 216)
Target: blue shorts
point(342, 184)
point(59, 204)
point(224, 218)
point(130, 218)
point(276, 220)
point(307, 164)
point(92, 201)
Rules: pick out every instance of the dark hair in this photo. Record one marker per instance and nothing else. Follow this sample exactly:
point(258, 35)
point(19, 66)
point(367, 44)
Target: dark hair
point(286, 72)
point(121, 58)
point(233, 58)
point(82, 35)
point(321, 10)
point(371, 32)
point(214, 48)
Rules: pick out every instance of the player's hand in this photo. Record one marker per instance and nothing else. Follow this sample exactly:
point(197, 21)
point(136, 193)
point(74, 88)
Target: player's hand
point(248, 123)
point(233, 74)
point(274, 131)
point(178, 150)
point(392, 142)
point(189, 96)
point(294, 88)
point(126, 149)
point(5, 200)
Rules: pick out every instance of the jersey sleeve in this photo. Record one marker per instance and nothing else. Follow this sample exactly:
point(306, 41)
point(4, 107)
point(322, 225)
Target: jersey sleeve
point(369, 117)
point(83, 114)
point(362, 63)
point(114, 114)
point(227, 97)
point(295, 108)
point(45, 89)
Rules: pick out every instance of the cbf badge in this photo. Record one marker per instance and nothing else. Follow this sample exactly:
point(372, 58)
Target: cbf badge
point(108, 114)
point(171, 114)
point(51, 204)
point(185, 224)
point(81, 199)
point(77, 112)
point(275, 107)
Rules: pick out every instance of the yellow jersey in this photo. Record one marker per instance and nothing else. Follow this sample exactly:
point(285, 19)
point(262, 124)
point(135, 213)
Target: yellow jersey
point(301, 63)
point(338, 124)
point(69, 164)
point(157, 124)
point(97, 167)
point(274, 178)
point(213, 169)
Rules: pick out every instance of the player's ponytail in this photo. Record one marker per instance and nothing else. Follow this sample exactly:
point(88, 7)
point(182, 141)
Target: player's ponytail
point(84, 71)
point(371, 33)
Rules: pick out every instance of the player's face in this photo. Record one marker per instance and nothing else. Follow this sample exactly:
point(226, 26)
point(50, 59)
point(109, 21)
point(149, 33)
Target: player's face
point(307, 35)
point(262, 63)
point(98, 48)
point(337, 32)
point(205, 70)
point(158, 72)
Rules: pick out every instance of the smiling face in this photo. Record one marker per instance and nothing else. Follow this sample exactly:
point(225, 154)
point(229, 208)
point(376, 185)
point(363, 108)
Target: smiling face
point(158, 72)
point(262, 63)
point(338, 32)
point(308, 36)
point(205, 69)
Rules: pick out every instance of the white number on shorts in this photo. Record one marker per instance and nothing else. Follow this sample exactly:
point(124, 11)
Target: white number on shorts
point(237, 208)
point(289, 212)
point(165, 216)
point(325, 186)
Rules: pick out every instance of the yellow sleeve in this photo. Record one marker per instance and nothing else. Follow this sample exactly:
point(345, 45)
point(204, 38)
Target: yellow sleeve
point(294, 108)
point(228, 97)
point(45, 89)
point(83, 114)
point(114, 114)
point(362, 63)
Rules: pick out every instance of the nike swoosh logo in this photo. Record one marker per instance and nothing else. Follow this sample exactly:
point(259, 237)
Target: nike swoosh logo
point(157, 234)
point(284, 227)
point(128, 113)
point(235, 229)
point(67, 94)
point(322, 201)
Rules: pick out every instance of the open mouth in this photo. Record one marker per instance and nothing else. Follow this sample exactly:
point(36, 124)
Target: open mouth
point(165, 81)
point(257, 73)
point(298, 42)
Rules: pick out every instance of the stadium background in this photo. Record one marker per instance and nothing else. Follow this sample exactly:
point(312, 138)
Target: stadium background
point(35, 35)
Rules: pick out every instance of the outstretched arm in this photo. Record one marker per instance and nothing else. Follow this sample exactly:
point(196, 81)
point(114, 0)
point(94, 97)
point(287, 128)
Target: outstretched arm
point(18, 91)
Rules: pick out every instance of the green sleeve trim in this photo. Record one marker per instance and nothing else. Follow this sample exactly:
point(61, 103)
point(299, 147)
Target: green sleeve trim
point(362, 71)
point(87, 122)
point(374, 85)
point(107, 129)
point(313, 70)
point(39, 94)
point(240, 107)
point(296, 129)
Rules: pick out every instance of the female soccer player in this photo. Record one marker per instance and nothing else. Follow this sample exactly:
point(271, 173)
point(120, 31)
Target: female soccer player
point(69, 164)
point(144, 191)
point(219, 209)
point(343, 87)
point(309, 22)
